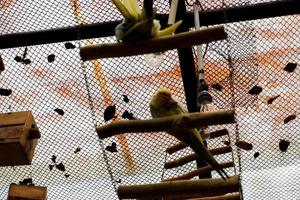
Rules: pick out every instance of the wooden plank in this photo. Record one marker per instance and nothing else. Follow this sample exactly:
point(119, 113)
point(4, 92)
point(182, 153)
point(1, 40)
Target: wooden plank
point(11, 132)
point(16, 118)
point(21, 192)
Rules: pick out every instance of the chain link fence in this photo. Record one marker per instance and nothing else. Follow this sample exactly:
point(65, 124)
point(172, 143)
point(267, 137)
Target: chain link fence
point(68, 98)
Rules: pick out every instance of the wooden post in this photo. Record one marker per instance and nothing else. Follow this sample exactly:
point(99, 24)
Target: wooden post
point(203, 187)
point(160, 44)
point(176, 122)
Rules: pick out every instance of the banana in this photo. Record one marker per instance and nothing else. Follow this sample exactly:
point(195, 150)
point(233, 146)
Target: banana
point(169, 30)
point(123, 10)
point(131, 6)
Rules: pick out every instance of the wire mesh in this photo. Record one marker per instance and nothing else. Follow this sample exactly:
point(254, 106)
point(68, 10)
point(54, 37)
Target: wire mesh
point(255, 54)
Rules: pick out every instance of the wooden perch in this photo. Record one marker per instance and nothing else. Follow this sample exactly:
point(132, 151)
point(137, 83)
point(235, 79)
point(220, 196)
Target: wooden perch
point(236, 196)
point(180, 145)
point(198, 172)
point(189, 158)
point(203, 187)
point(180, 40)
point(176, 122)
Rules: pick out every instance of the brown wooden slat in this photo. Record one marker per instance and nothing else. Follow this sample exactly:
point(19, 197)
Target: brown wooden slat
point(180, 145)
point(189, 158)
point(198, 172)
point(16, 118)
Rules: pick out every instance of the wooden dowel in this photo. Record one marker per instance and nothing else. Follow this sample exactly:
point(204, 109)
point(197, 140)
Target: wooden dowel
point(189, 158)
point(180, 145)
point(218, 133)
point(153, 45)
point(177, 147)
point(222, 197)
point(198, 172)
point(176, 122)
point(206, 187)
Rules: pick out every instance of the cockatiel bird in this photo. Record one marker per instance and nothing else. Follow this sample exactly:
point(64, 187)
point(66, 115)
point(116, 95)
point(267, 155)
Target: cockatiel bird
point(161, 105)
point(139, 24)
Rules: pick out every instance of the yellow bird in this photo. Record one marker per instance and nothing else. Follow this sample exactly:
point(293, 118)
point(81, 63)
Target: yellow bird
point(161, 105)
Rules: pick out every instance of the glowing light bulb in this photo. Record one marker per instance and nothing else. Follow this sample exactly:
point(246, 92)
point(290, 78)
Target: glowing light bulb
point(154, 59)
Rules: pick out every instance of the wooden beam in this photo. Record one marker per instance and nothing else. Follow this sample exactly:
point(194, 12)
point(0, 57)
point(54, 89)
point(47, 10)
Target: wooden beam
point(164, 190)
point(198, 172)
point(153, 45)
point(236, 196)
point(171, 123)
point(189, 158)
point(180, 145)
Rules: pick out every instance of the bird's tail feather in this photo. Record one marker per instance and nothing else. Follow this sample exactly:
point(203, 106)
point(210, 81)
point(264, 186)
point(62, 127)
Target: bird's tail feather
point(220, 171)
point(203, 153)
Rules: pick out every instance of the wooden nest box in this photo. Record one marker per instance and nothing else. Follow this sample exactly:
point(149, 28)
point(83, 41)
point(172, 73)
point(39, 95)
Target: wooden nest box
point(27, 192)
point(18, 138)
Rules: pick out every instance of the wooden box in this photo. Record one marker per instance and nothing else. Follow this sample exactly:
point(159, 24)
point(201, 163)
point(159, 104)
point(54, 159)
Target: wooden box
point(27, 192)
point(18, 138)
